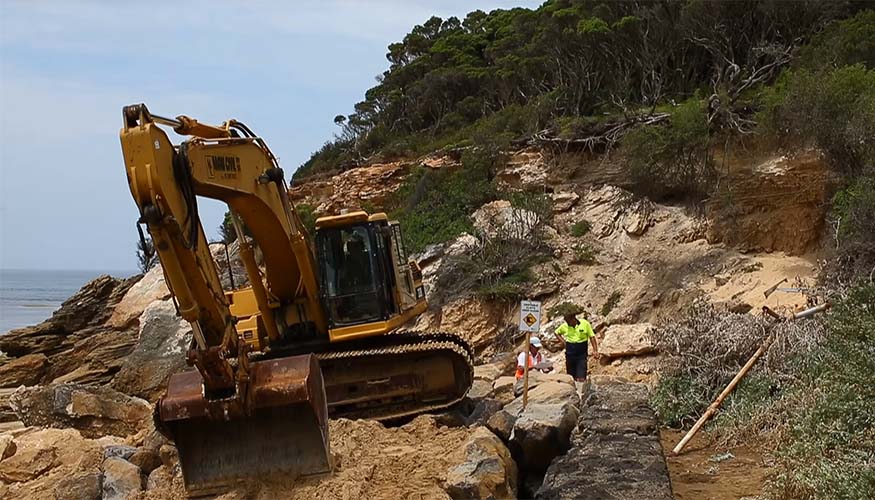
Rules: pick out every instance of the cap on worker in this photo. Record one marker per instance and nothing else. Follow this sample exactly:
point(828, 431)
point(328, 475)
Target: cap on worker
point(535, 341)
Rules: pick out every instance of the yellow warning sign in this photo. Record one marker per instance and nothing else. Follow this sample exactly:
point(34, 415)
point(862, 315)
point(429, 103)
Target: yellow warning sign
point(530, 316)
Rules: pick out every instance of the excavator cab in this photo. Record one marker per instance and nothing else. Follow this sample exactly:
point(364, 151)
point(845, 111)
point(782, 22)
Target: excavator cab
point(364, 275)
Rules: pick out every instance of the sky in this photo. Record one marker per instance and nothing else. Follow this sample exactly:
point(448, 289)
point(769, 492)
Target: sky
point(67, 68)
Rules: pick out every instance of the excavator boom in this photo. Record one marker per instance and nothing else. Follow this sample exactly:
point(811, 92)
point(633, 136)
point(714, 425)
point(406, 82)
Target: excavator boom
point(232, 418)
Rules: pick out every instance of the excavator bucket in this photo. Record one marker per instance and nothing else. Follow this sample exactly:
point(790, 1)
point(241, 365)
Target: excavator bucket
point(286, 433)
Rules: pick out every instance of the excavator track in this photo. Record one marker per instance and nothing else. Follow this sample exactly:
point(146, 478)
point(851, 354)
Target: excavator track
point(397, 375)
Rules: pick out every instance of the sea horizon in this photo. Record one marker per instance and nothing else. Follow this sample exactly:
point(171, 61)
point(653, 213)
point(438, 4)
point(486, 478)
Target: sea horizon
point(30, 296)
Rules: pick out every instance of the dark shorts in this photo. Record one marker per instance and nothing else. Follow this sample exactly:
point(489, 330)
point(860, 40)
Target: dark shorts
point(575, 358)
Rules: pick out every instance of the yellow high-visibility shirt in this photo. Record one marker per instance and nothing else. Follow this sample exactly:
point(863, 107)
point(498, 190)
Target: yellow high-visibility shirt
point(576, 334)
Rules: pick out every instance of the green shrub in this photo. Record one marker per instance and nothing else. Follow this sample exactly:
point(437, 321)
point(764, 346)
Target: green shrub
point(583, 254)
point(843, 43)
point(580, 228)
point(434, 206)
point(677, 400)
point(830, 451)
point(307, 214)
point(673, 161)
point(510, 288)
point(835, 109)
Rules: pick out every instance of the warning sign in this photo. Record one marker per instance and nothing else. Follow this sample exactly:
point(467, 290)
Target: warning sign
point(530, 316)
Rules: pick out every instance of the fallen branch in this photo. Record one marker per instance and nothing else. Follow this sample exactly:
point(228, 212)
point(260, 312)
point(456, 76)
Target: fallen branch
point(713, 407)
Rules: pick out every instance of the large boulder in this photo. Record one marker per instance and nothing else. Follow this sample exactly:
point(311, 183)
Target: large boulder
point(94, 411)
point(26, 370)
point(160, 352)
point(627, 340)
point(487, 472)
point(149, 289)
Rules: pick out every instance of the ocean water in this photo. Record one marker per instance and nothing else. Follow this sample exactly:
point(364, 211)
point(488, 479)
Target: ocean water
point(28, 297)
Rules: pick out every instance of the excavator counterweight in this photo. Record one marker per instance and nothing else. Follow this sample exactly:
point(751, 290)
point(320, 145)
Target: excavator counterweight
point(315, 334)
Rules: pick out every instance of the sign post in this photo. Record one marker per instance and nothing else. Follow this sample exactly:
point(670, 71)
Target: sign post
point(530, 321)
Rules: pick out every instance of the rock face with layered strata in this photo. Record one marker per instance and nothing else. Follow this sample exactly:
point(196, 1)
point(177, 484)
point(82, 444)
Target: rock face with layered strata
point(78, 342)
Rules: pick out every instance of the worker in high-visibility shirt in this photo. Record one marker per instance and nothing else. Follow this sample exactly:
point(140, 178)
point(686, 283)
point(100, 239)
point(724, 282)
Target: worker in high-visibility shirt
point(536, 359)
point(576, 335)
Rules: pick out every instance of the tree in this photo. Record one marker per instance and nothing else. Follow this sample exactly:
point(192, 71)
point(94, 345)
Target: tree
point(226, 229)
point(146, 256)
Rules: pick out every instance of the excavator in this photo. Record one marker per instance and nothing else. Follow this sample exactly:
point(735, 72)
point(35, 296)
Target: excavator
point(317, 334)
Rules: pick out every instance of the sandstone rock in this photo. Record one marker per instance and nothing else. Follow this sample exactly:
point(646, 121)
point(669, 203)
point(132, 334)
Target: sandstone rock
point(501, 423)
point(562, 202)
point(83, 486)
point(95, 411)
point(553, 390)
point(500, 218)
point(524, 170)
point(483, 411)
point(627, 340)
point(149, 289)
point(160, 352)
point(488, 372)
point(159, 478)
point(7, 446)
point(479, 390)
point(169, 455)
point(26, 370)
point(367, 185)
point(95, 356)
point(475, 320)
point(121, 479)
point(147, 460)
point(543, 429)
point(27, 464)
point(43, 459)
point(487, 472)
point(122, 451)
point(503, 388)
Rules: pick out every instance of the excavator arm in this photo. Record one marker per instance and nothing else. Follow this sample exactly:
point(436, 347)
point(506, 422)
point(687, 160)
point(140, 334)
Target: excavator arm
point(214, 414)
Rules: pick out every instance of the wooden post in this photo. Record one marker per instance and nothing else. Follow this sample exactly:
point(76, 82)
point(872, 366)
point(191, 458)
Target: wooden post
point(717, 402)
point(526, 370)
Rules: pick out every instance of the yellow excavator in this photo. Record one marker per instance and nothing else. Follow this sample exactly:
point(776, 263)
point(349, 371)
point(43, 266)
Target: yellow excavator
point(315, 335)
